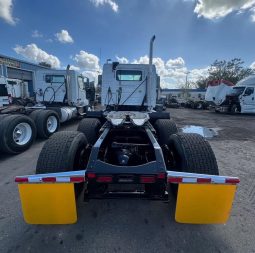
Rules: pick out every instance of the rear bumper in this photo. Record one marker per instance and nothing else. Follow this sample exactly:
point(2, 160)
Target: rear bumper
point(44, 197)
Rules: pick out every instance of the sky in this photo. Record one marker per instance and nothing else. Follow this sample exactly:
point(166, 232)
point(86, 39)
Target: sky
point(190, 34)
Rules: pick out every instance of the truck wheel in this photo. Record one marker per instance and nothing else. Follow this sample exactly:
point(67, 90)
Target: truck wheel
point(2, 116)
point(18, 132)
point(64, 151)
point(47, 122)
point(192, 153)
point(234, 109)
point(90, 127)
point(34, 114)
point(165, 128)
point(199, 105)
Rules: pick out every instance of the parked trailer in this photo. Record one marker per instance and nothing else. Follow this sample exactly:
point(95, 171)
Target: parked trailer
point(127, 150)
point(60, 97)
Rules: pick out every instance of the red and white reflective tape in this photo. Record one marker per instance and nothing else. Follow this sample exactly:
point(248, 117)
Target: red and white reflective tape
point(183, 177)
point(62, 177)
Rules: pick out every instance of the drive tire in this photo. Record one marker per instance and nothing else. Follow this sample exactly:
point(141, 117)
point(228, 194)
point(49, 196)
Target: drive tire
point(64, 151)
point(234, 109)
point(18, 133)
point(47, 122)
point(165, 128)
point(90, 127)
point(200, 105)
point(193, 154)
point(2, 116)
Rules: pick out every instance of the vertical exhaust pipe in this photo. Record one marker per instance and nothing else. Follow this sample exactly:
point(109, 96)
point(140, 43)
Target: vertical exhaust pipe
point(149, 86)
point(151, 49)
point(68, 85)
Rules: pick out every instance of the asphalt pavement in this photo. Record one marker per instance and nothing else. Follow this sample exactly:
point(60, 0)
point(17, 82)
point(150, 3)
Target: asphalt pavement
point(139, 225)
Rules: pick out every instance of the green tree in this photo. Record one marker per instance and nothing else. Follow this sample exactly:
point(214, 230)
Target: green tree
point(232, 71)
point(202, 82)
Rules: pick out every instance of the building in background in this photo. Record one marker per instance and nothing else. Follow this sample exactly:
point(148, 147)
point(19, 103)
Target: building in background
point(21, 70)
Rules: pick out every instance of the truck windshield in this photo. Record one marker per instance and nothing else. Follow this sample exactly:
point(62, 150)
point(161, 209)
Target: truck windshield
point(3, 90)
point(129, 75)
point(238, 90)
point(81, 83)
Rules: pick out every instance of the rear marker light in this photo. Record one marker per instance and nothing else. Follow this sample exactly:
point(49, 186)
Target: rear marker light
point(104, 179)
point(204, 180)
point(77, 179)
point(232, 180)
point(147, 179)
point(21, 179)
point(49, 179)
point(91, 175)
point(161, 175)
point(175, 180)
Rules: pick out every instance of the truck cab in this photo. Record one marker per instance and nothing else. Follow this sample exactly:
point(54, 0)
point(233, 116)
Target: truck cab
point(227, 97)
point(246, 94)
point(132, 85)
point(4, 99)
point(60, 86)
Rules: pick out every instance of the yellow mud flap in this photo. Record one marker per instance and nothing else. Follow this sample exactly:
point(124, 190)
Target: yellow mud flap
point(204, 203)
point(203, 199)
point(48, 203)
point(49, 198)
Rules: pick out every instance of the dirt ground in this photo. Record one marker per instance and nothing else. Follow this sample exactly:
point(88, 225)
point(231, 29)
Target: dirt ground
point(136, 225)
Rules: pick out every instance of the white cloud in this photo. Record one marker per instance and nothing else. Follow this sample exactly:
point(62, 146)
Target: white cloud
point(215, 9)
point(64, 37)
point(88, 64)
point(92, 75)
point(87, 61)
point(74, 68)
point(122, 60)
point(253, 14)
point(6, 11)
point(175, 63)
point(111, 3)
point(33, 53)
point(36, 34)
point(173, 72)
point(253, 65)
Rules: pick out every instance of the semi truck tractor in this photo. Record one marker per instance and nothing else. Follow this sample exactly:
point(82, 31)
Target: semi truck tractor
point(227, 97)
point(127, 150)
point(59, 96)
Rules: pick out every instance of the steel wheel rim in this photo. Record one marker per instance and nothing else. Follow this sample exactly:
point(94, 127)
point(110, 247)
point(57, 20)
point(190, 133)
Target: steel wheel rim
point(52, 124)
point(22, 134)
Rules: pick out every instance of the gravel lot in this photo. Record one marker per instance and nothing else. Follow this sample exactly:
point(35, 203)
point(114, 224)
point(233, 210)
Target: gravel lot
point(140, 226)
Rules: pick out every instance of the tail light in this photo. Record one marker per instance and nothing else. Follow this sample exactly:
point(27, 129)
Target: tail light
point(104, 179)
point(91, 175)
point(161, 176)
point(147, 179)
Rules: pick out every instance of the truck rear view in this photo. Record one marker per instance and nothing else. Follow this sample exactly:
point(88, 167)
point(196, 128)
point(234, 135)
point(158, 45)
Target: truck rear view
point(127, 150)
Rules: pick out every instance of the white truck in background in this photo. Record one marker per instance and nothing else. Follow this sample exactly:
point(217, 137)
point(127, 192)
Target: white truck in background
point(4, 98)
point(12, 89)
point(227, 97)
point(60, 95)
